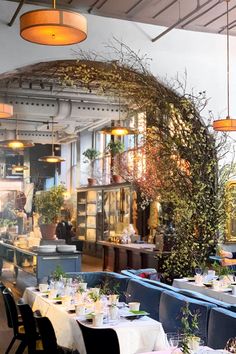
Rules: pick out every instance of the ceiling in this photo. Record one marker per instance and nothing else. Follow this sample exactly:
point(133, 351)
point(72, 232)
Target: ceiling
point(36, 94)
point(195, 15)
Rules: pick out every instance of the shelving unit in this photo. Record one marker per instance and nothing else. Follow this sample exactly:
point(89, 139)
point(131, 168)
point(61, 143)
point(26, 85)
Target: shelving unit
point(102, 212)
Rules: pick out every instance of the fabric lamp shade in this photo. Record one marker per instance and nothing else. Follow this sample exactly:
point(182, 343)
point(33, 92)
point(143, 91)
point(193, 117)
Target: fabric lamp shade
point(53, 27)
point(225, 125)
point(6, 110)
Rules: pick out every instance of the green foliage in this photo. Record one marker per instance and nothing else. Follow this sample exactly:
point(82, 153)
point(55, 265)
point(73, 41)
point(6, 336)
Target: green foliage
point(90, 154)
point(115, 147)
point(58, 273)
point(221, 270)
point(108, 287)
point(190, 327)
point(7, 222)
point(180, 150)
point(49, 203)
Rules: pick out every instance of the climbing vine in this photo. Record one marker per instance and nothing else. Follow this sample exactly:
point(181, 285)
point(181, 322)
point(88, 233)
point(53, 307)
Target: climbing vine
point(180, 151)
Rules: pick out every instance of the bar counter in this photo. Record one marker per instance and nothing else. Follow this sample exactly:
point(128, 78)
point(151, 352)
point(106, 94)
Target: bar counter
point(38, 264)
point(118, 256)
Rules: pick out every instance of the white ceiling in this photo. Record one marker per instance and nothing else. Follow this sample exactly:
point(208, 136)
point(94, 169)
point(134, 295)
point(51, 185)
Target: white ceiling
point(195, 15)
point(37, 99)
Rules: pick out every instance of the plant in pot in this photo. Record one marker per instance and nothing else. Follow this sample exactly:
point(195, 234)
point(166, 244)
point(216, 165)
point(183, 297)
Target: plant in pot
point(48, 205)
point(115, 148)
point(190, 329)
point(90, 156)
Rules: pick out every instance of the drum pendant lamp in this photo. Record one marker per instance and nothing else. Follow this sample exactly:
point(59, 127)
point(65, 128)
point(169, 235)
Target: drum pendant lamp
point(53, 26)
point(52, 158)
point(6, 110)
point(227, 124)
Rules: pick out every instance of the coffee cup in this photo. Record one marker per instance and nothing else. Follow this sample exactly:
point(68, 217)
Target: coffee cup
point(80, 309)
point(52, 294)
point(134, 306)
point(43, 287)
point(113, 299)
point(233, 289)
point(216, 285)
point(98, 319)
point(113, 312)
point(82, 286)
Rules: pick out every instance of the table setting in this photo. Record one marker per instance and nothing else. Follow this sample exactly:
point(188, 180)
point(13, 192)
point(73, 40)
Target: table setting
point(220, 287)
point(66, 303)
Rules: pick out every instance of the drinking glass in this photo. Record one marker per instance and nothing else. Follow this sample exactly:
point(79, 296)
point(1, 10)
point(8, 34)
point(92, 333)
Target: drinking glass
point(198, 271)
point(173, 340)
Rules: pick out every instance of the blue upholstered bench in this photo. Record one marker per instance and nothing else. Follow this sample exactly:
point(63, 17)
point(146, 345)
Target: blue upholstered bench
point(202, 297)
point(221, 327)
point(148, 296)
point(170, 312)
point(112, 280)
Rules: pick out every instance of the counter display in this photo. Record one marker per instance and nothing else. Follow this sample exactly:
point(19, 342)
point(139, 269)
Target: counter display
point(39, 264)
point(130, 256)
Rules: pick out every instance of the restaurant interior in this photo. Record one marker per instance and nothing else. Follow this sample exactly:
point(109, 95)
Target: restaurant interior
point(117, 176)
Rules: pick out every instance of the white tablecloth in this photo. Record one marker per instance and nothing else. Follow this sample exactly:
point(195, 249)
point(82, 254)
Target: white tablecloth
point(219, 295)
point(142, 335)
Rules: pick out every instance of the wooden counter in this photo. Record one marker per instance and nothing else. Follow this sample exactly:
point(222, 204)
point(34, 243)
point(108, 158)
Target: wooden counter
point(38, 264)
point(130, 256)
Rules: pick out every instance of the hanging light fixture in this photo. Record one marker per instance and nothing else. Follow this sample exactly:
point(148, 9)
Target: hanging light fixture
point(16, 143)
point(6, 110)
point(118, 129)
point(227, 124)
point(52, 158)
point(53, 27)
point(19, 168)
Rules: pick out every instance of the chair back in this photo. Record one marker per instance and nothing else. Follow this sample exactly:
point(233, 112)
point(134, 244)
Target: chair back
point(222, 326)
point(100, 340)
point(29, 325)
point(47, 334)
point(9, 322)
point(11, 310)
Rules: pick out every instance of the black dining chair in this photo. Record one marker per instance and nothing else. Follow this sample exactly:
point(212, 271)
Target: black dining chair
point(48, 337)
point(31, 333)
point(14, 322)
point(100, 340)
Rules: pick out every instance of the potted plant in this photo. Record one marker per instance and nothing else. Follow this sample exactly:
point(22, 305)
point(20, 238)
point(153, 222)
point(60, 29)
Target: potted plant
point(190, 328)
point(115, 148)
point(48, 205)
point(90, 156)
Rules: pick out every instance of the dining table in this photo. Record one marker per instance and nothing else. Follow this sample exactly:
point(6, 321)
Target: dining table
point(221, 294)
point(137, 336)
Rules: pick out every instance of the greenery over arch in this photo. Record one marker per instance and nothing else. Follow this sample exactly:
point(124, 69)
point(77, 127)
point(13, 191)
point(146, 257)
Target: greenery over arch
point(176, 136)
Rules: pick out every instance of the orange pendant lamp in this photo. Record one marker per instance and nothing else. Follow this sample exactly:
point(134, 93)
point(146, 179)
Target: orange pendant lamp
point(53, 27)
point(52, 158)
point(228, 124)
point(6, 110)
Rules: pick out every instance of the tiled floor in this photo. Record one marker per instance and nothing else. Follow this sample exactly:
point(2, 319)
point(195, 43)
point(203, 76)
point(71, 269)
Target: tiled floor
point(23, 280)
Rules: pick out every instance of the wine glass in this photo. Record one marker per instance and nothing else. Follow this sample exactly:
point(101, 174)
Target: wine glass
point(198, 271)
point(173, 340)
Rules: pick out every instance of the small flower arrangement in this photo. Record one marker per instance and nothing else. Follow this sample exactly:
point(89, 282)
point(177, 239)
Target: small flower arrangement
point(190, 328)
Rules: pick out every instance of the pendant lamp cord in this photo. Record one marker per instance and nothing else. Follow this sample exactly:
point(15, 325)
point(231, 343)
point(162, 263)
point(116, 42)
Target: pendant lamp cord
point(52, 136)
point(16, 128)
point(227, 36)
